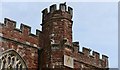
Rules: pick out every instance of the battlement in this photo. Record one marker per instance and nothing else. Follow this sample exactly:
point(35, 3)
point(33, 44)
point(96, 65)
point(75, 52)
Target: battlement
point(86, 57)
point(23, 34)
point(23, 28)
point(62, 7)
point(55, 39)
point(53, 8)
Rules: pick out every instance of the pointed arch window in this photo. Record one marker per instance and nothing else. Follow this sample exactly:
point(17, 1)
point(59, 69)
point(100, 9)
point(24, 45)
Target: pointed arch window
point(10, 59)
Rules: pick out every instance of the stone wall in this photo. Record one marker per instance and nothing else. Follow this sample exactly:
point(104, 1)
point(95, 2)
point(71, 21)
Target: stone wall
point(21, 40)
point(55, 39)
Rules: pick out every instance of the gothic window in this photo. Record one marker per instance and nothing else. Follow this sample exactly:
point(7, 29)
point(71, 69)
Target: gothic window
point(11, 60)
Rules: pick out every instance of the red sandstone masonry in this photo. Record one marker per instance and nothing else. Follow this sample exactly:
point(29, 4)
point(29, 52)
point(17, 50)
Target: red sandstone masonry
point(87, 58)
point(23, 34)
point(24, 51)
point(58, 22)
point(21, 40)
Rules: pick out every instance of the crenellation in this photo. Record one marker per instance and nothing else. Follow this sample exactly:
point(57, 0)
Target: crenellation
point(25, 29)
point(76, 44)
point(53, 8)
point(21, 35)
point(44, 13)
point(105, 59)
point(96, 54)
point(80, 55)
point(93, 59)
point(38, 32)
point(70, 10)
point(56, 26)
point(96, 57)
point(86, 51)
point(62, 7)
point(9, 23)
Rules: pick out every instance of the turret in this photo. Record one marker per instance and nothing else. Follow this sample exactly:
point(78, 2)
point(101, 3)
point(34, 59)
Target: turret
point(57, 31)
point(57, 22)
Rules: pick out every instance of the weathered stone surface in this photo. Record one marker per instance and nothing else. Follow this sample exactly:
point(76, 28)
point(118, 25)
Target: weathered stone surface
point(55, 39)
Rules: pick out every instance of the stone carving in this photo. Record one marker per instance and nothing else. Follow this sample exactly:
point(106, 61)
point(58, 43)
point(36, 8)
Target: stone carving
point(11, 60)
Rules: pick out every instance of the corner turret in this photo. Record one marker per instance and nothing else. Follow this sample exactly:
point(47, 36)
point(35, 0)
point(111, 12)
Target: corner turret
point(57, 31)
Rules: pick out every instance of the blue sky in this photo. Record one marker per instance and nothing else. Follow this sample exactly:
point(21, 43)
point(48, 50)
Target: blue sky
point(95, 24)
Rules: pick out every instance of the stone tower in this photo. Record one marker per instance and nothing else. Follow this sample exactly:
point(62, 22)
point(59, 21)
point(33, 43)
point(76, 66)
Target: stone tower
point(50, 48)
point(57, 31)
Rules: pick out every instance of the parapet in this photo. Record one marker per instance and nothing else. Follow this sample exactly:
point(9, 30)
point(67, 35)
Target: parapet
point(23, 28)
point(62, 7)
point(86, 51)
point(9, 23)
point(85, 56)
point(23, 34)
point(76, 44)
point(53, 8)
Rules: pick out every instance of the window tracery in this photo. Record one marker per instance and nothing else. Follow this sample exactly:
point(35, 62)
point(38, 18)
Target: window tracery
point(11, 60)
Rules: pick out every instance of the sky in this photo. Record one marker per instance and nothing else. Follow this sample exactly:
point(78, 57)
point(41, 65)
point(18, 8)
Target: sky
point(95, 24)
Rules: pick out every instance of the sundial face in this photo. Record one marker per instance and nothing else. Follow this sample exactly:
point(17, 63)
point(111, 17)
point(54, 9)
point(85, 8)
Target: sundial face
point(68, 61)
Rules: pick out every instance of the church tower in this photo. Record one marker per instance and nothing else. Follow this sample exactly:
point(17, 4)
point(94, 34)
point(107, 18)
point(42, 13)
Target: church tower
point(57, 35)
point(49, 49)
